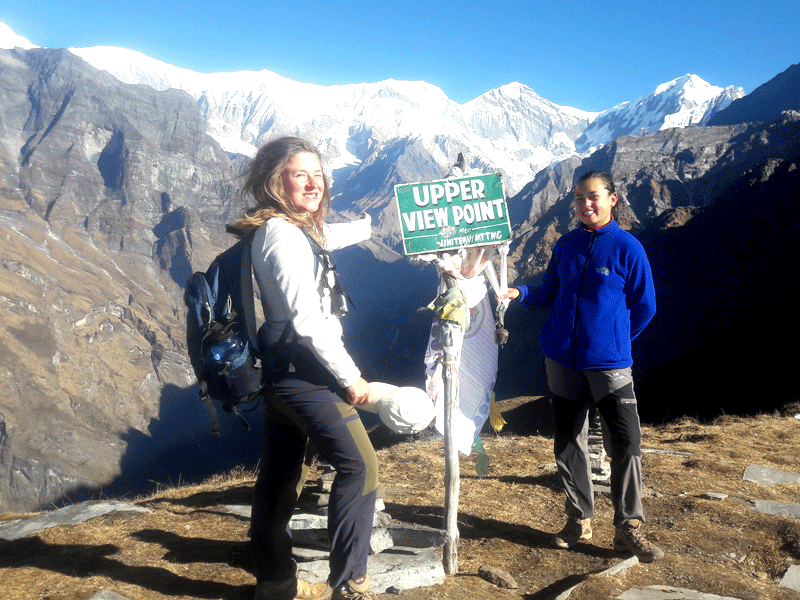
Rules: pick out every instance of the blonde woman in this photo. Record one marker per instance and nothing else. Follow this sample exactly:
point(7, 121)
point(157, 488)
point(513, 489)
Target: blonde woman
point(317, 384)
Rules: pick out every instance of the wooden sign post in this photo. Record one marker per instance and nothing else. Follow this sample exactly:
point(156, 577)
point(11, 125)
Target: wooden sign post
point(440, 217)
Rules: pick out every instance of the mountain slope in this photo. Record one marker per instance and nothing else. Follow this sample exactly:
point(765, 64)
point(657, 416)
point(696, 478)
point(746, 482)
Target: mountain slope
point(766, 102)
point(92, 175)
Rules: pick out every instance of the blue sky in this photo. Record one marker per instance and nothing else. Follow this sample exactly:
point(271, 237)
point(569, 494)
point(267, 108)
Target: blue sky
point(583, 54)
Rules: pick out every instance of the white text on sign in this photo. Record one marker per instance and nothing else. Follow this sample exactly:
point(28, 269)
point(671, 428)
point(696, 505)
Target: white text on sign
point(449, 190)
point(438, 218)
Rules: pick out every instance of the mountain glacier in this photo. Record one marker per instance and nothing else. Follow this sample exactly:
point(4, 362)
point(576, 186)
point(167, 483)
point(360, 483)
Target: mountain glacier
point(510, 130)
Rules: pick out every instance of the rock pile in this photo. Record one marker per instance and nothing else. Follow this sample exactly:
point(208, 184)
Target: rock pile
point(401, 556)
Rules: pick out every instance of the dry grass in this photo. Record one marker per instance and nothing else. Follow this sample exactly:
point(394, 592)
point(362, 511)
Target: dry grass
point(189, 547)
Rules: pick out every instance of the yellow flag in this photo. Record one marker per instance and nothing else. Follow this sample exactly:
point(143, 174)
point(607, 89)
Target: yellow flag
point(495, 418)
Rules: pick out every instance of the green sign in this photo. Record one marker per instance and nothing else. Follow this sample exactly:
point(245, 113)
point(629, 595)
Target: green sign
point(452, 213)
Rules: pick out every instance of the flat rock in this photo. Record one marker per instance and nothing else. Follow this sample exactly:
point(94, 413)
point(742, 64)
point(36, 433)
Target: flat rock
point(768, 476)
point(713, 496)
point(416, 536)
point(240, 510)
point(303, 554)
point(621, 566)
point(108, 595)
point(403, 556)
point(791, 578)
point(612, 570)
point(69, 515)
point(497, 576)
point(305, 520)
point(399, 568)
point(779, 509)
point(666, 592)
point(670, 452)
point(602, 489)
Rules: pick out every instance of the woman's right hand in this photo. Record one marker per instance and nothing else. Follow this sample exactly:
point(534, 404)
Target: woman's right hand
point(358, 393)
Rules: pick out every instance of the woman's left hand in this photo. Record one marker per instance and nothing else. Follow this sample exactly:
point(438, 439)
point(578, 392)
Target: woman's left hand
point(358, 393)
point(512, 294)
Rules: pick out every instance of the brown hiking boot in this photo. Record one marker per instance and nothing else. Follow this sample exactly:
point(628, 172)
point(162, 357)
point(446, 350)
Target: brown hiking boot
point(629, 538)
point(576, 530)
point(355, 589)
point(307, 590)
point(292, 589)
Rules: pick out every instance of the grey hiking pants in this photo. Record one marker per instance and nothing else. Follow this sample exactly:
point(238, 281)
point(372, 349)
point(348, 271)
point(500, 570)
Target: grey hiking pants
point(306, 415)
point(611, 392)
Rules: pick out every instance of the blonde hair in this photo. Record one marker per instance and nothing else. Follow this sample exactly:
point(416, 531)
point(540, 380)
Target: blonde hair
point(264, 183)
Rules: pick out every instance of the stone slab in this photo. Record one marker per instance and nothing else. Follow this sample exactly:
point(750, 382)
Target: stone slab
point(399, 568)
point(713, 496)
point(69, 515)
point(416, 536)
point(621, 566)
point(601, 489)
point(612, 570)
point(670, 452)
point(108, 595)
point(665, 592)
point(779, 509)
point(306, 520)
point(240, 510)
point(380, 539)
point(791, 578)
point(768, 476)
point(303, 554)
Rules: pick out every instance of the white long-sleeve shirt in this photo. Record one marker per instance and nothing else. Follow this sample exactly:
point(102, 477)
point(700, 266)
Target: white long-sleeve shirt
point(289, 279)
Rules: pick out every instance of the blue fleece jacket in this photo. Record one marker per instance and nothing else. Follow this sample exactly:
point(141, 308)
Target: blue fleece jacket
point(600, 289)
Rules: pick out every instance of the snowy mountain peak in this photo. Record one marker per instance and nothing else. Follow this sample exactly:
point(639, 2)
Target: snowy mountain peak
point(9, 39)
point(688, 81)
point(511, 129)
point(685, 101)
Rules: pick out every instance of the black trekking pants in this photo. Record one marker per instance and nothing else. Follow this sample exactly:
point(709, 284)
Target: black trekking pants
point(611, 392)
point(307, 413)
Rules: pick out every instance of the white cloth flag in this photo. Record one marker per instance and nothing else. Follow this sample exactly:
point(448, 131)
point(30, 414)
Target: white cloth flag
point(476, 363)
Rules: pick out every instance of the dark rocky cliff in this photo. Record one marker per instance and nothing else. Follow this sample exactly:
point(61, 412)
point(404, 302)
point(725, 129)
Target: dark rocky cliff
point(109, 196)
point(715, 208)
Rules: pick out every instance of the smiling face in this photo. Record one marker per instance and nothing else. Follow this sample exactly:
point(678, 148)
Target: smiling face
point(593, 203)
point(304, 182)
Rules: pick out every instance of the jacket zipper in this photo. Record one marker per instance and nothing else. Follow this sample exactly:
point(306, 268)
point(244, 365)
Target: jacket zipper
point(593, 234)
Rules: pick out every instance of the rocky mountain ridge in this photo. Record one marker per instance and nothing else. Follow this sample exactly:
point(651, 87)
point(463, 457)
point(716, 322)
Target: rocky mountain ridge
point(511, 130)
point(111, 194)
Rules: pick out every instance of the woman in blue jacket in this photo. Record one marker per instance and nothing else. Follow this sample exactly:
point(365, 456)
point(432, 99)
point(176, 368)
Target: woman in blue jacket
point(599, 288)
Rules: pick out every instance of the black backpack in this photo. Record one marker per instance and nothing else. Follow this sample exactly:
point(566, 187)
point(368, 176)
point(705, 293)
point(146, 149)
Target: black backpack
point(222, 339)
point(221, 333)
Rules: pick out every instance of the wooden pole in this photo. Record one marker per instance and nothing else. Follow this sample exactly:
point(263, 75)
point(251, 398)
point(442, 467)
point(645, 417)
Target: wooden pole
point(452, 477)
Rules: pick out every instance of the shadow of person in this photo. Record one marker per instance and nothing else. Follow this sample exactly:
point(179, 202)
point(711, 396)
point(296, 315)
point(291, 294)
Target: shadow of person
point(86, 560)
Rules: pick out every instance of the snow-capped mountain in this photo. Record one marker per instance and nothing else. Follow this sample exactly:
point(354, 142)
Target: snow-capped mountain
point(510, 130)
point(9, 39)
point(681, 102)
